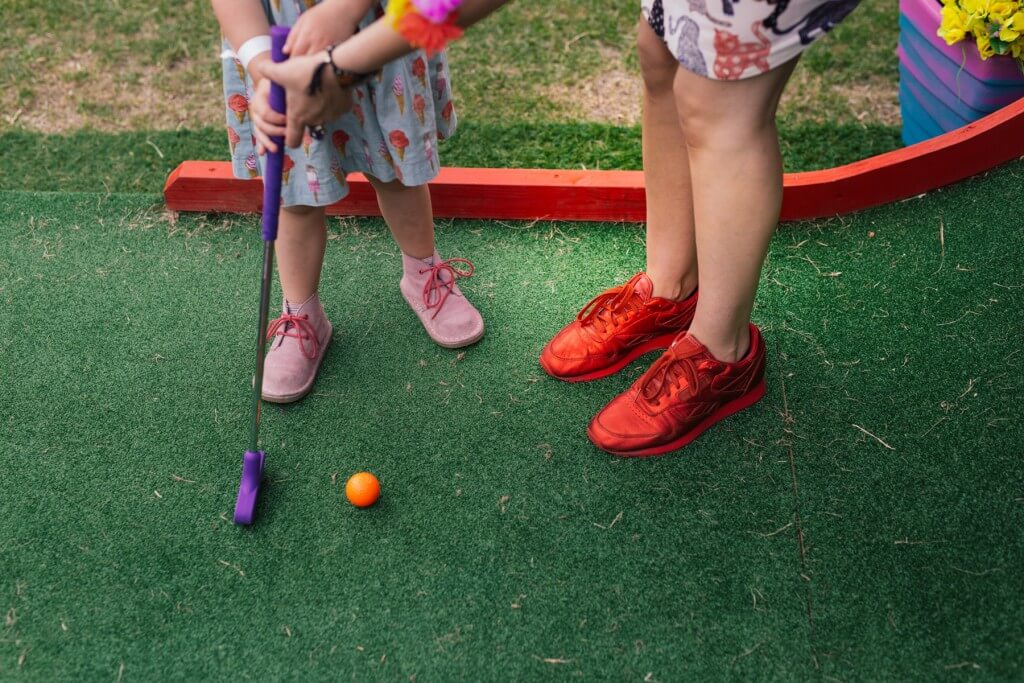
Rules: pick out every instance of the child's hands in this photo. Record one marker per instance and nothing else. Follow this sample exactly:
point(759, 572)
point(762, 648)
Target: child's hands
point(304, 109)
point(265, 121)
point(329, 23)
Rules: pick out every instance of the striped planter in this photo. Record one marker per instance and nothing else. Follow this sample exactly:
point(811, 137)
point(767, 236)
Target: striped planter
point(944, 87)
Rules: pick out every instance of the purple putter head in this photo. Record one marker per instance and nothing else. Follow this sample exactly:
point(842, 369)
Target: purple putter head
point(249, 488)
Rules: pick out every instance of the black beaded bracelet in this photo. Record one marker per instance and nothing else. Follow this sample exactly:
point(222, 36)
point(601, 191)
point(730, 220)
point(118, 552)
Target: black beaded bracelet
point(345, 79)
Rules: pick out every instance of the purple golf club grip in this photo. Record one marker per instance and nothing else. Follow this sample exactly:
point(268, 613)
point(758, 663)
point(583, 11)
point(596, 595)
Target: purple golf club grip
point(249, 488)
point(274, 160)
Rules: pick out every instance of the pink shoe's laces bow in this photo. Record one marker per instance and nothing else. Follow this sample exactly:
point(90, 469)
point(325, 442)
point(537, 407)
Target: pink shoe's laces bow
point(437, 289)
point(298, 327)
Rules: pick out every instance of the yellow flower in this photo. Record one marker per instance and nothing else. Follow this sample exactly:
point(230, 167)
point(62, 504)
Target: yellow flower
point(1012, 28)
point(976, 7)
point(1001, 10)
point(953, 27)
point(970, 14)
point(985, 47)
point(952, 36)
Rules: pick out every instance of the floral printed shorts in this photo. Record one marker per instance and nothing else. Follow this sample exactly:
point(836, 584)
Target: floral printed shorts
point(728, 40)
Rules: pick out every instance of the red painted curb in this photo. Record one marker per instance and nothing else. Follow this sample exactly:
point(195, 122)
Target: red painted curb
point(618, 196)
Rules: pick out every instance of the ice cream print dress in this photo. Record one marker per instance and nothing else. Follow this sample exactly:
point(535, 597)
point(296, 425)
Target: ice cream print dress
point(731, 39)
point(391, 132)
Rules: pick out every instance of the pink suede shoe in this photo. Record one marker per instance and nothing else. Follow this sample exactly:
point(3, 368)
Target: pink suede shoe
point(428, 286)
point(300, 340)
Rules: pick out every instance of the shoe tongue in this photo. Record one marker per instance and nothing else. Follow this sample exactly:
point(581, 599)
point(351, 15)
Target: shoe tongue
point(688, 346)
point(642, 286)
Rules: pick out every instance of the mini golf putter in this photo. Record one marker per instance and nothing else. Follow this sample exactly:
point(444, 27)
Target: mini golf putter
point(252, 463)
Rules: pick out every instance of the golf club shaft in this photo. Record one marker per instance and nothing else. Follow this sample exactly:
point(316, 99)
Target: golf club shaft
point(261, 339)
point(271, 209)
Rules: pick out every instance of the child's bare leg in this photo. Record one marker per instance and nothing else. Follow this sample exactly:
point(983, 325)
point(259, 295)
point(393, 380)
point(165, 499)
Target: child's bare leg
point(428, 284)
point(301, 240)
point(646, 313)
point(736, 170)
point(409, 214)
point(671, 249)
point(302, 333)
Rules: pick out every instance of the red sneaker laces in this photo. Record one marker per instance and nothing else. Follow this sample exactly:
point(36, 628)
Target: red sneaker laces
point(610, 307)
point(668, 372)
point(435, 289)
point(298, 327)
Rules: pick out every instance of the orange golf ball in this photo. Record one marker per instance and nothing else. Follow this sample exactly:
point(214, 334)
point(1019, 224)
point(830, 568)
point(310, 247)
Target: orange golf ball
point(362, 489)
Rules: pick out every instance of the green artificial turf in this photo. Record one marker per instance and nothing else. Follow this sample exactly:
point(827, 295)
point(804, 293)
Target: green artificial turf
point(88, 161)
point(785, 544)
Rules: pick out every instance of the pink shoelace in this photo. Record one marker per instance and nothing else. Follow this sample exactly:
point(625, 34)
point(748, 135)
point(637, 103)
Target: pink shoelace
point(435, 289)
point(300, 328)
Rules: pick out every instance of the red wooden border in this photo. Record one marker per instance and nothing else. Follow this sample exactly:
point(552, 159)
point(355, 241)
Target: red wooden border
point(615, 196)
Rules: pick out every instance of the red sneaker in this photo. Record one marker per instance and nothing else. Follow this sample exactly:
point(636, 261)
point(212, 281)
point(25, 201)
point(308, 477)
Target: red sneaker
point(614, 329)
point(686, 391)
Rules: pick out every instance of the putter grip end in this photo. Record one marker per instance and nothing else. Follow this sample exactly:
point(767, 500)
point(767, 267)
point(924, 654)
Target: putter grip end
point(274, 160)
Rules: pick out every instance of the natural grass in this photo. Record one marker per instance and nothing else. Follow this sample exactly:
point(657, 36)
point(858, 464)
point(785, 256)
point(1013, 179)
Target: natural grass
point(143, 65)
point(89, 161)
point(861, 523)
point(852, 74)
point(862, 46)
point(505, 70)
point(110, 65)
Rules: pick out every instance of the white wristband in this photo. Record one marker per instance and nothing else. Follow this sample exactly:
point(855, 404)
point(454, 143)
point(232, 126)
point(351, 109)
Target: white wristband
point(252, 48)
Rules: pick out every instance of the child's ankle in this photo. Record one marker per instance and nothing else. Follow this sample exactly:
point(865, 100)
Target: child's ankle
point(310, 302)
point(426, 258)
point(725, 347)
point(413, 264)
point(673, 289)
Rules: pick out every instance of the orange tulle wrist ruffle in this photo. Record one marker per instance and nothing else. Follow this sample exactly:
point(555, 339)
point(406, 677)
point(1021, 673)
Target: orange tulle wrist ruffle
point(425, 34)
point(426, 24)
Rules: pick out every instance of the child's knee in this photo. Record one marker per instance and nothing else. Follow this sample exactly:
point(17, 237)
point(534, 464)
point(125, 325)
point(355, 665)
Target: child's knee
point(728, 113)
point(299, 210)
point(698, 116)
point(302, 218)
point(657, 65)
point(384, 185)
point(708, 121)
